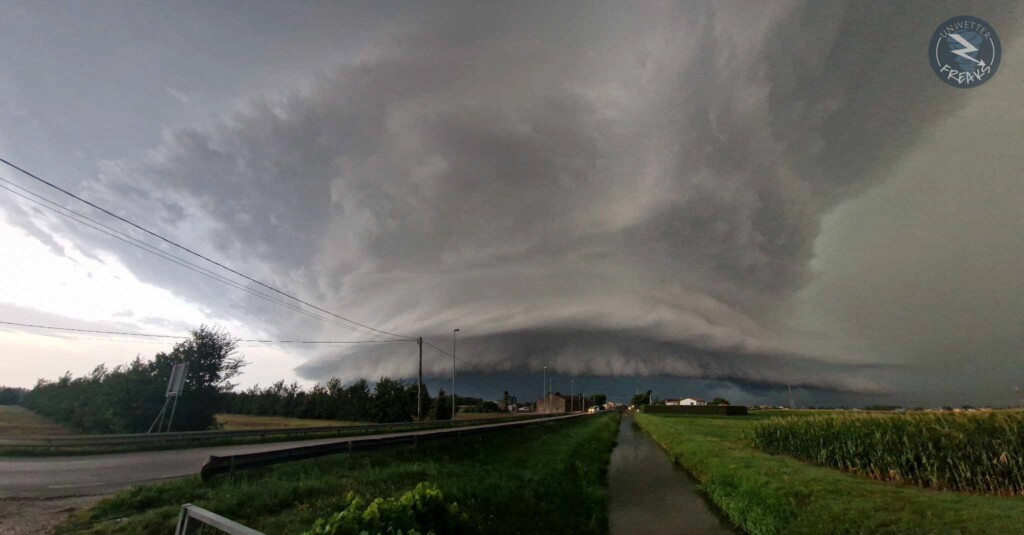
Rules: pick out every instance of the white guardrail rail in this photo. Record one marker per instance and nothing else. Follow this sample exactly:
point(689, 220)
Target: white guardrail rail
point(193, 519)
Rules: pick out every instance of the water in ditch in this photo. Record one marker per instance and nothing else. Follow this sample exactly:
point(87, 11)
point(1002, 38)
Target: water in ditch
point(650, 494)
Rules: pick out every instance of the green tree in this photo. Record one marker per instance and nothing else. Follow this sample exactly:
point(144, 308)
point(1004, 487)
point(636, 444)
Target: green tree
point(391, 402)
point(10, 395)
point(127, 398)
point(719, 401)
point(441, 408)
point(641, 399)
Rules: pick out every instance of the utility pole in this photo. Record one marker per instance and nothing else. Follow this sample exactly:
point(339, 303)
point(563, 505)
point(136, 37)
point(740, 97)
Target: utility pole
point(544, 387)
point(790, 388)
point(453, 373)
point(572, 395)
point(419, 384)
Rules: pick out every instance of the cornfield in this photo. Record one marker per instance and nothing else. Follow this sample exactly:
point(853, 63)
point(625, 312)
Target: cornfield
point(973, 452)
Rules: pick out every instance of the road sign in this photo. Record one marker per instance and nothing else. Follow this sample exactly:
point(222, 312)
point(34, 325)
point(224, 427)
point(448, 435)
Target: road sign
point(177, 381)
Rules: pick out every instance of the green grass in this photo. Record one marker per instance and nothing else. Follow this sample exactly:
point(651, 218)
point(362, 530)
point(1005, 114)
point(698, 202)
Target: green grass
point(245, 422)
point(18, 421)
point(546, 478)
point(975, 451)
point(763, 493)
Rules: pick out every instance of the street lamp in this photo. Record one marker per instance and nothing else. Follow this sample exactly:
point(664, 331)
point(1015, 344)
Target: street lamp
point(453, 373)
point(544, 387)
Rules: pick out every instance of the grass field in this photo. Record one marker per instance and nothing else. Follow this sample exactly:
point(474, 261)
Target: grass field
point(483, 415)
point(506, 482)
point(20, 422)
point(244, 422)
point(768, 494)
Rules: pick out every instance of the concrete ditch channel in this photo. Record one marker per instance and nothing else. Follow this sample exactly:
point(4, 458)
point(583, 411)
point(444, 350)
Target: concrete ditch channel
point(652, 495)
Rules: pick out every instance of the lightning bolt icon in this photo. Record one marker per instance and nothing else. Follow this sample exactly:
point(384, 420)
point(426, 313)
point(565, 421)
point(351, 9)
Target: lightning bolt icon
point(967, 49)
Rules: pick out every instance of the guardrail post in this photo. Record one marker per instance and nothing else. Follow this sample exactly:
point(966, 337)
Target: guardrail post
point(183, 520)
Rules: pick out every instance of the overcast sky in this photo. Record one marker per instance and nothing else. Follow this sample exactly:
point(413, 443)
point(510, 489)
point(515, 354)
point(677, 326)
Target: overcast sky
point(707, 197)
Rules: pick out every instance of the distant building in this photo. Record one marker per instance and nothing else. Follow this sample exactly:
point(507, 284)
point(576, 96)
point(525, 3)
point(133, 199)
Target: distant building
point(685, 401)
point(553, 404)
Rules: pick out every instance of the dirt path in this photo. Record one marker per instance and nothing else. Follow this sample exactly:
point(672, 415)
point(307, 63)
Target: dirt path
point(31, 516)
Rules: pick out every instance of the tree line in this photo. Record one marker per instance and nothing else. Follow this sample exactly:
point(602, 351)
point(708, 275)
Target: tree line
point(127, 398)
point(388, 401)
point(11, 395)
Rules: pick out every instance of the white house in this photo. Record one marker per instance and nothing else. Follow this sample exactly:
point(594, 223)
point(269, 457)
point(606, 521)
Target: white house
point(685, 401)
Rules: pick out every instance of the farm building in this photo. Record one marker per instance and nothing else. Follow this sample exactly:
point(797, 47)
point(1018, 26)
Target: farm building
point(558, 403)
point(685, 401)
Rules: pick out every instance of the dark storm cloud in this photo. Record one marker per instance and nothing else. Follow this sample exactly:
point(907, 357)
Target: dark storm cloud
point(611, 190)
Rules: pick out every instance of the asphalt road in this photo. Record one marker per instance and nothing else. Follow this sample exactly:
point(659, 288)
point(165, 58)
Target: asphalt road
point(88, 475)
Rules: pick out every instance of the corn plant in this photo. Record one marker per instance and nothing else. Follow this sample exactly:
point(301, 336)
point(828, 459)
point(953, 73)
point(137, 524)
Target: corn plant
point(975, 452)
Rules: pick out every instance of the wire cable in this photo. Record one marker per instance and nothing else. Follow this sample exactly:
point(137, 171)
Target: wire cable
point(186, 249)
point(151, 335)
point(426, 343)
point(135, 242)
point(189, 265)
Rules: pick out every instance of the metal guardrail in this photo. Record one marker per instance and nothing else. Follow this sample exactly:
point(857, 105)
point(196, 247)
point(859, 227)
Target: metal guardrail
point(196, 436)
point(216, 465)
point(192, 519)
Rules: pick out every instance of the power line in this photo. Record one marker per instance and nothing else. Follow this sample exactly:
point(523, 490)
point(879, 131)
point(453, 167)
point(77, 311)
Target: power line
point(150, 335)
point(186, 249)
point(426, 343)
point(170, 257)
point(194, 267)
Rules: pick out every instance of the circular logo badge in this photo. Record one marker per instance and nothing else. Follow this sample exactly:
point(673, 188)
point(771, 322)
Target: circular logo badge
point(965, 52)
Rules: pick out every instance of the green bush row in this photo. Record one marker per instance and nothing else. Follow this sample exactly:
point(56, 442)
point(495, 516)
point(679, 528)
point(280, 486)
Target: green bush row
point(422, 510)
point(976, 452)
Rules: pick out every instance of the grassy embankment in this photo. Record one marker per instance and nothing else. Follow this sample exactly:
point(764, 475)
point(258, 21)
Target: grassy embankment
point(547, 478)
point(20, 422)
point(765, 493)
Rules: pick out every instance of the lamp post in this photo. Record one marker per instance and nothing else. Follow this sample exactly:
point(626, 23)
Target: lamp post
point(544, 387)
point(453, 373)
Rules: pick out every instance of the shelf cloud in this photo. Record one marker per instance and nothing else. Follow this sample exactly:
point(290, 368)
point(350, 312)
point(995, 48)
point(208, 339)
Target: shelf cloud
point(607, 189)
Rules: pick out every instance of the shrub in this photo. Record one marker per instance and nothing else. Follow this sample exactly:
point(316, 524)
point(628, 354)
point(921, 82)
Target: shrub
point(421, 510)
point(978, 452)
